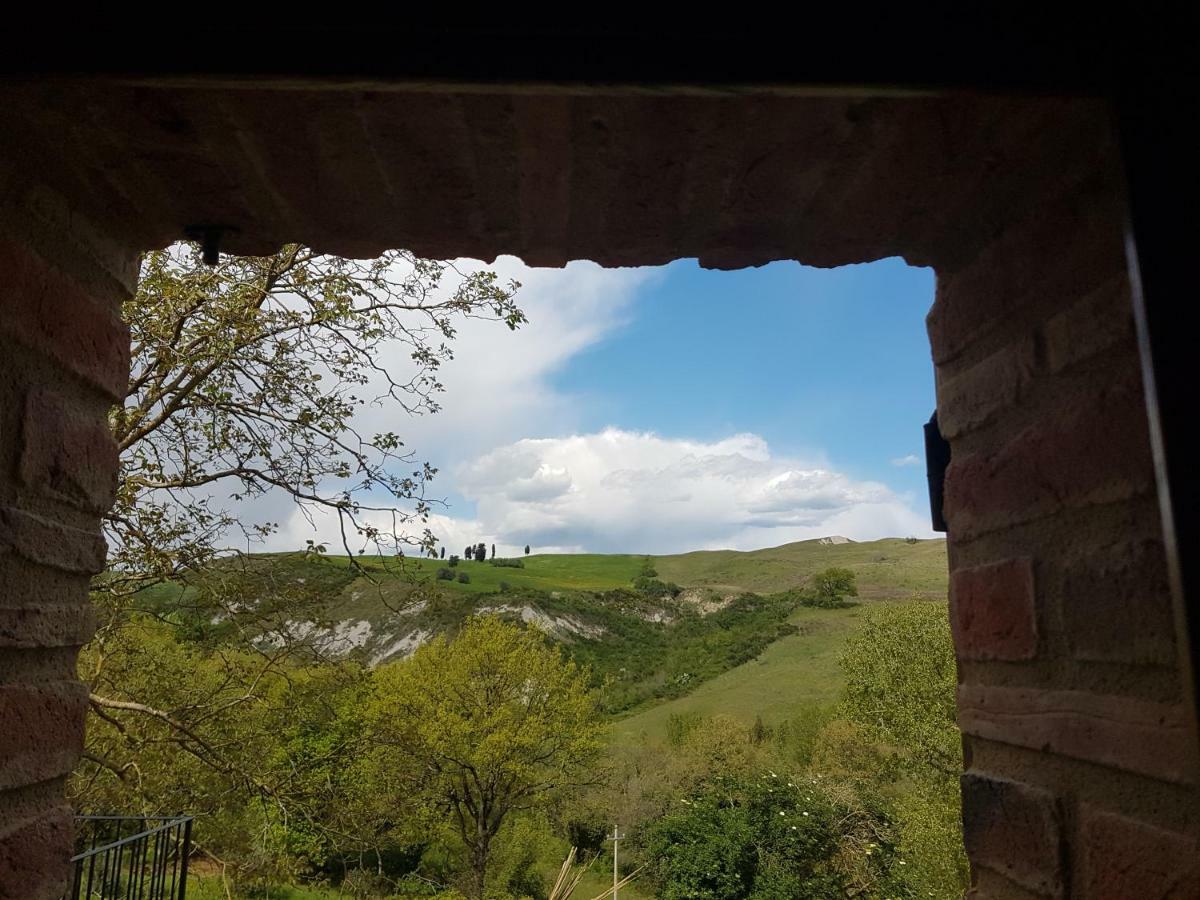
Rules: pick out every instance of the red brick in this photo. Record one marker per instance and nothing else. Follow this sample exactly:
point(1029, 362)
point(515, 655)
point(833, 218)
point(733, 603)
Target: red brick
point(35, 856)
point(1057, 255)
point(975, 397)
point(67, 453)
point(1099, 454)
point(49, 543)
point(1122, 732)
point(993, 611)
point(1016, 830)
point(48, 625)
point(1091, 326)
point(1117, 606)
point(1124, 859)
point(51, 313)
point(42, 736)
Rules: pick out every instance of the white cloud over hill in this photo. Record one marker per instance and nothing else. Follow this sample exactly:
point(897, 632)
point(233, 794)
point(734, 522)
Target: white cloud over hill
point(637, 492)
point(610, 491)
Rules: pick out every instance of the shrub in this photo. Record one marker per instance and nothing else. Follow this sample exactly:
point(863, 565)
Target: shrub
point(363, 884)
point(773, 837)
point(453, 560)
point(445, 574)
point(507, 563)
point(464, 578)
point(652, 587)
point(831, 587)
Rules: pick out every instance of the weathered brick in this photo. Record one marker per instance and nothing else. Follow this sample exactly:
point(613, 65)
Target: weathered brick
point(48, 625)
point(1117, 606)
point(1091, 326)
point(1099, 454)
point(1014, 829)
point(1124, 859)
point(975, 397)
point(1122, 732)
point(993, 611)
point(43, 731)
point(67, 453)
point(50, 543)
point(35, 856)
point(1065, 252)
point(46, 310)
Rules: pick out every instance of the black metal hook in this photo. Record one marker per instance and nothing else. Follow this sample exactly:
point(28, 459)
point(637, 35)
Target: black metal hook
point(937, 459)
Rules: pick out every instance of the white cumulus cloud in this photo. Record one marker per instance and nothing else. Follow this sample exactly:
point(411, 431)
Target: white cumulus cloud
point(625, 491)
point(508, 441)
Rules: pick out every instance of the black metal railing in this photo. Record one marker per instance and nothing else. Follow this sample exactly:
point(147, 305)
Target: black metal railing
point(131, 858)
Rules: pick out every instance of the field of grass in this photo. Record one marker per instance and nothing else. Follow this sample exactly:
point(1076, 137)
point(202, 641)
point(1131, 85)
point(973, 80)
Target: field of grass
point(887, 568)
point(597, 881)
point(793, 673)
point(546, 572)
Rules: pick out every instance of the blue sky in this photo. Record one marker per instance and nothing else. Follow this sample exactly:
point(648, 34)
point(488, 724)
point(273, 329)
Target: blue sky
point(668, 409)
point(813, 360)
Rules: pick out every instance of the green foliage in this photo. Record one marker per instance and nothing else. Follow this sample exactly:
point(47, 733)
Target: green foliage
point(476, 728)
point(765, 837)
point(647, 583)
point(246, 379)
point(507, 563)
point(642, 657)
point(900, 684)
point(445, 574)
point(796, 737)
point(464, 578)
point(899, 732)
point(652, 587)
point(831, 587)
point(286, 736)
point(680, 726)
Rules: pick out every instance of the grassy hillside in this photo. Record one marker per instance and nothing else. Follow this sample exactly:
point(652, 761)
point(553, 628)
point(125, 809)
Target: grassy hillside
point(888, 568)
point(384, 608)
point(793, 673)
point(644, 648)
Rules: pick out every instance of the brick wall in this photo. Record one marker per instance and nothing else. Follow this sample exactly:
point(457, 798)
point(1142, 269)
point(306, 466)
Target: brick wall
point(1081, 776)
point(1081, 771)
point(63, 360)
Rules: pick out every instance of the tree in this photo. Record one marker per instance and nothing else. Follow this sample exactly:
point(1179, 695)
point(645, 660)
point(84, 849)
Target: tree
point(526, 549)
point(481, 727)
point(900, 682)
point(832, 586)
point(493, 551)
point(480, 552)
point(251, 378)
point(899, 701)
point(443, 551)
